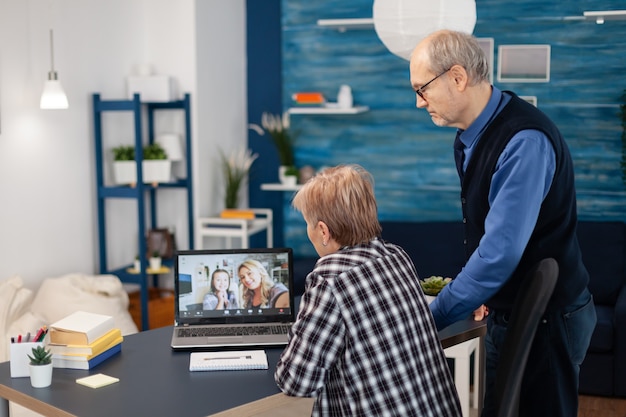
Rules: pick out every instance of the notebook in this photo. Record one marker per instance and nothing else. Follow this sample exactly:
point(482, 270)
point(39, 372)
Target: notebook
point(241, 317)
point(238, 360)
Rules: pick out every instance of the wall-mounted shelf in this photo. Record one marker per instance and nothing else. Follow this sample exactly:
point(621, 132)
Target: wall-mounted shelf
point(344, 24)
point(602, 15)
point(328, 110)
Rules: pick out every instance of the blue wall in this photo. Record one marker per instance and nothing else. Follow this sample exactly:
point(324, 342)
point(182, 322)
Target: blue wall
point(410, 158)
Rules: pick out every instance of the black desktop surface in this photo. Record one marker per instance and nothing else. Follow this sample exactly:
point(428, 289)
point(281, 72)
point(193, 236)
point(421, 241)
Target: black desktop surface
point(154, 381)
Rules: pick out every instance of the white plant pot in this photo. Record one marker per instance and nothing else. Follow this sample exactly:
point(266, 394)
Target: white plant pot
point(290, 181)
point(155, 264)
point(137, 265)
point(125, 172)
point(281, 173)
point(40, 375)
point(155, 171)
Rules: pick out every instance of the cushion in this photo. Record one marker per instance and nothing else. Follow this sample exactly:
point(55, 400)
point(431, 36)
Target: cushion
point(102, 294)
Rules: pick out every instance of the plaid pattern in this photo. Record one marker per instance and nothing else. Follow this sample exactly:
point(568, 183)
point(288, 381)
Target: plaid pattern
point(365, 342)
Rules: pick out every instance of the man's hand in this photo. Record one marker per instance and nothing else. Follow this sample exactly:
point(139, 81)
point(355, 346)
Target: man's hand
point(481, 312)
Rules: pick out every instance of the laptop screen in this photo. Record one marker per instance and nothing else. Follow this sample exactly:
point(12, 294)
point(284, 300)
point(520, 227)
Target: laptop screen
point(234, 286)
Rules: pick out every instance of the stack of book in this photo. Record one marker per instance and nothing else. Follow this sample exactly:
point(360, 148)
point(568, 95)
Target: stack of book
point(83, 340)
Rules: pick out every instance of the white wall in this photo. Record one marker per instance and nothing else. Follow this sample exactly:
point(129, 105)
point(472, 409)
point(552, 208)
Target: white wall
point(48, 219)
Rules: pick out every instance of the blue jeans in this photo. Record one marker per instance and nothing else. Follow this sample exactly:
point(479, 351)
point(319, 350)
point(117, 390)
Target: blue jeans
point(550, 383)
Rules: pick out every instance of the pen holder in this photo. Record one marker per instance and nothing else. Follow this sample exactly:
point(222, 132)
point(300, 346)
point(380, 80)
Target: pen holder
point(19, 358)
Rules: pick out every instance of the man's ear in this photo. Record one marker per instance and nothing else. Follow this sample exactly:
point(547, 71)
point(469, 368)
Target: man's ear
point(459, 76)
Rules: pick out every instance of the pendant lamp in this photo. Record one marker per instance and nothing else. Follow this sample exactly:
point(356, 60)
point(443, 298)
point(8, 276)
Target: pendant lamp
point(402, 24)
point(53, 96)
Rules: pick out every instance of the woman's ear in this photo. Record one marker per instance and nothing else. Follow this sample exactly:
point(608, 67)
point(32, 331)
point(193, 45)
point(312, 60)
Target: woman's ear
point(324, 231)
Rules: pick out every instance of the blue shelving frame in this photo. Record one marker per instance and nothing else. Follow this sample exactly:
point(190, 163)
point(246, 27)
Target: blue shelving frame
point(140, 190)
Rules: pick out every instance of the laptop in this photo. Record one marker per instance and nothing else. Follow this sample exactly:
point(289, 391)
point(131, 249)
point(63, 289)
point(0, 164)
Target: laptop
point(239, 316)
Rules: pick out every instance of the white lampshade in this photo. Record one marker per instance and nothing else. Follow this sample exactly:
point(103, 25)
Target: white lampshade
point(402, 24)
point(171, 142)
point(53, 96)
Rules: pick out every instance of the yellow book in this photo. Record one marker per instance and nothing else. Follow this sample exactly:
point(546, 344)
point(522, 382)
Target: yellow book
point(86, 357)
point(98, 346)
point(237, 214)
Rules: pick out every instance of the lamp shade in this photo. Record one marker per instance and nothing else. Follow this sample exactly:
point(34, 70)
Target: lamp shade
point(53, 96)
point(172, 144)
point(402, 24)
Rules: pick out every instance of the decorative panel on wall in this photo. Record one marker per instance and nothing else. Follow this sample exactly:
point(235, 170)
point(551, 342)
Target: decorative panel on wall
point(410, 158)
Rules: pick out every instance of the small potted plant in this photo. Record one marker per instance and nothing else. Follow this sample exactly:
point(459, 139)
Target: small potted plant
point(155, 261)
point(137, 264)
point(433, 286)
point(278, 128)
point(156, 167)
point(124, 165)
point(291, 176)
point(40, 367)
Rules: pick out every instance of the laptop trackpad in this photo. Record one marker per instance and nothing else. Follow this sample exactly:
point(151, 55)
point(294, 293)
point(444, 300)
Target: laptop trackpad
point(224, 339)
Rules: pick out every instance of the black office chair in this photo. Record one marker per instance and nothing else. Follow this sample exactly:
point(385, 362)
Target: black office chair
point(529, 307)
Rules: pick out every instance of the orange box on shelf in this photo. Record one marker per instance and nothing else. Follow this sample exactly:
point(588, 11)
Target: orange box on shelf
point(308, 98)
point(237, 214)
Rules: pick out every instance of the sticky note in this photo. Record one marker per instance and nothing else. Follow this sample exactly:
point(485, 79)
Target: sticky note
point(97, 381)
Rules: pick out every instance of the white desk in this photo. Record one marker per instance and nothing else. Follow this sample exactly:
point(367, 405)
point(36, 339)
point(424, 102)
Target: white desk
point(239, 228)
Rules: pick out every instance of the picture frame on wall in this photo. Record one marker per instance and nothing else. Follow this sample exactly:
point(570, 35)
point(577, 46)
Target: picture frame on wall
point(524, 63)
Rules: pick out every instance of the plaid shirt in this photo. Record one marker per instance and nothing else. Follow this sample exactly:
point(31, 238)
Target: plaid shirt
point(365, 342)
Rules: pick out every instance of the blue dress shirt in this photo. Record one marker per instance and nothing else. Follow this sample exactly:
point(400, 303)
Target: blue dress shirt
point(522, 179)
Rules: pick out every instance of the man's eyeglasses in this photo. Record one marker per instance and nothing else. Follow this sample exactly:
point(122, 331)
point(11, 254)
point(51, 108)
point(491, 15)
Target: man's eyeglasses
point(420, 91)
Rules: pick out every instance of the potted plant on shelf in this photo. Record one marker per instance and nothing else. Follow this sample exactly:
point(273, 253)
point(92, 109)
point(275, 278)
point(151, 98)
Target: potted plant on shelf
point(236, 168)
point(155, 261)
point(156, 167)
point(40, 367)
point(278, 128)
point(137, 264)
point(124, 168)
point(290, 176)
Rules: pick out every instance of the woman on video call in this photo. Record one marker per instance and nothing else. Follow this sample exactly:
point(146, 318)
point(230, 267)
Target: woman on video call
point(258, 290)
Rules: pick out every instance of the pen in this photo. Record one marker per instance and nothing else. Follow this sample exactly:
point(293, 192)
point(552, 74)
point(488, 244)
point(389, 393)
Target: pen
point(27, 338)
point(43, 334)
point(228, 357)
point(19, 338)
point(38, 335)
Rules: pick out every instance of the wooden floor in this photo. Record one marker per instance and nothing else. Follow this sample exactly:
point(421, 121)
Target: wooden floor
point(601, 406)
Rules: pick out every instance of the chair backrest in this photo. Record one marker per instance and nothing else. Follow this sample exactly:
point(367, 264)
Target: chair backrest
point(529, 307)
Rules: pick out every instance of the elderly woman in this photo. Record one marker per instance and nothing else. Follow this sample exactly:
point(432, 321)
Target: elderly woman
point(364, 342)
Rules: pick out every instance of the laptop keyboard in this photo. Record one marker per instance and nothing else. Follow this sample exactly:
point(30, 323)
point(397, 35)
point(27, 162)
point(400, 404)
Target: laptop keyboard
point(234, 331)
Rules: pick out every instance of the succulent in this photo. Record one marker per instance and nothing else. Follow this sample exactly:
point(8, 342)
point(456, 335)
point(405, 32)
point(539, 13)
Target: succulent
point(41, 356)
point(156, 254)
point(434, 284)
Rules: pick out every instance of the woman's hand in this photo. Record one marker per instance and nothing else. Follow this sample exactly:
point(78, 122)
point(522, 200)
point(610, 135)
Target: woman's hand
point(481, 312)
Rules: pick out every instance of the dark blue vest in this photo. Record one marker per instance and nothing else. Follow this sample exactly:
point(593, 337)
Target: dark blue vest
point(554, 235)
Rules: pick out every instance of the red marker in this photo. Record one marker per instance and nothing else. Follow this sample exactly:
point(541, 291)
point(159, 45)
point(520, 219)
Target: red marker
point(19, 338)
point(38, 335)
